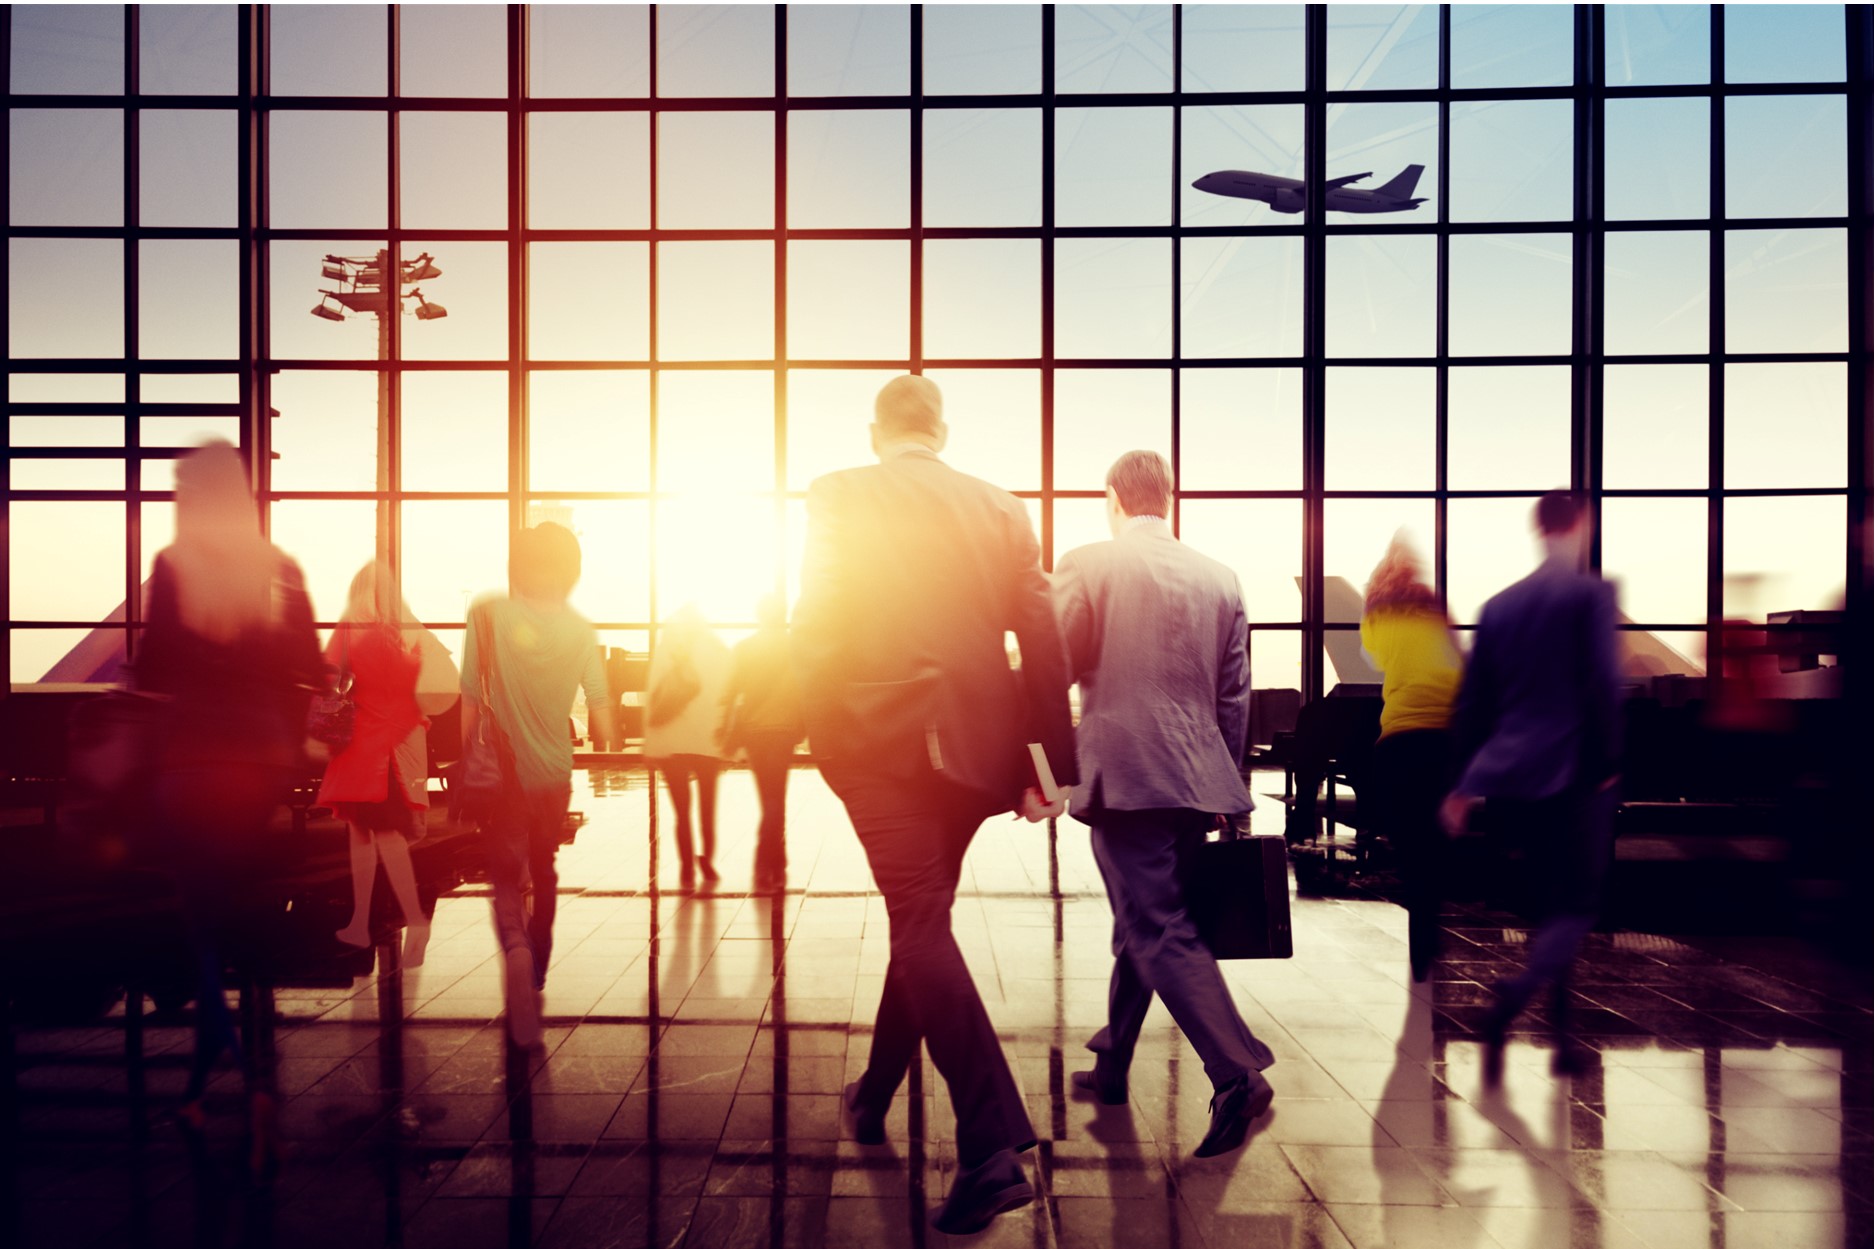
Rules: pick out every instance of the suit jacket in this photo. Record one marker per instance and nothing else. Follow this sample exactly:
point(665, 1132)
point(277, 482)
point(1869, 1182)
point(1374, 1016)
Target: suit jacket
point(914, 576)
point(1156, 636)
point(1539, 710)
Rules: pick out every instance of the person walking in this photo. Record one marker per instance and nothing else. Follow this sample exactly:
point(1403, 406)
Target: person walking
point(762, 721)
point(689, 672)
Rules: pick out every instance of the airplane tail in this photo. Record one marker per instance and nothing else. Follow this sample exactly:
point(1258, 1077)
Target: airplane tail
point(1402, 184)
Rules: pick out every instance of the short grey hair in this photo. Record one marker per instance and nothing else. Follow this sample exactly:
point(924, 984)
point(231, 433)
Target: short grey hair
point(1142, 482)
point(909, 405)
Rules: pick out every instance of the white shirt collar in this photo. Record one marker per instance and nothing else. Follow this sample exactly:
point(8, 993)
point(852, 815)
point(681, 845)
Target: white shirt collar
point(904, 447)
point(1140, 522)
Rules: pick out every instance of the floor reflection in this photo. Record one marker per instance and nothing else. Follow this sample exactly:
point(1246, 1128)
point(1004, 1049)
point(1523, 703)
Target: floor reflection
point(697, 1046)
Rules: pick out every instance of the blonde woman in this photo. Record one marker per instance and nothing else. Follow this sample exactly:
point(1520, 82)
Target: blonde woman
point(379, 784)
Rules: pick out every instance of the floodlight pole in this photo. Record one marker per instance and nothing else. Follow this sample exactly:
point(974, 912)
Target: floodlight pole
point(392, 306)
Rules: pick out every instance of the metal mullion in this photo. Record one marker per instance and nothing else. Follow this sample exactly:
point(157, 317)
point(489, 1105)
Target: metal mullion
point(519, 415)
point(1715, 343)
point(133, 329)
point(1860, 81)
point(780, 416)
point(917, 233)
point(256, 209)
point(6, 347)
point(1441, 327)
point(251, 25)
point(391, 381)
point(1178, 248)
point(653, 365)
point(1314, 332)
point(1585, 277)
point(1048, 287)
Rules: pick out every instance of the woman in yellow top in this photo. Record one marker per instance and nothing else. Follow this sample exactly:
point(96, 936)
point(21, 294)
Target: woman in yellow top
point(1408, 636)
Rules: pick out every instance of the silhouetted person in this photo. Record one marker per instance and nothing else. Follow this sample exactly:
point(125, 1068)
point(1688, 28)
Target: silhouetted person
point(1157, 638)
point(914, 575)
point(689, 671)
point(1538, 723)
point(544, 653)
point(229, 639)
point(380, 783)
point(1408, 637)
point(762, 719)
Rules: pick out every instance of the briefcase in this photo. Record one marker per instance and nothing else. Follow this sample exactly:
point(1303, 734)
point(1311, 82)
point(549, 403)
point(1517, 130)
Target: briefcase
point(1237, 893)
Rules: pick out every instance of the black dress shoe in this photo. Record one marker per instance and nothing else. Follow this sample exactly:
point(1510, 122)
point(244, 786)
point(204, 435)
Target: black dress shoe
point(1233, 1109)
point(1571, 1059)
point(1108, 1088)
point(1496, 1025)
point(980, 1194)
point(868, 1124)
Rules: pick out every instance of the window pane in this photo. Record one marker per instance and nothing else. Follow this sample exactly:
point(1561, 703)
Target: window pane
point(1382, 140)
point(849, 168)
point(1784, 43)
point(66, 388)
point(65, 655)
point(305, 192)
point(1261, 541)
point(453, 50)
point(67, 49)
point(1113, 298)
point(849, 300)
point(1507, 428)
point(1380, 429)
point(187, 431)
point(474, 288)
point(1510, 294)
point(1656, 293)
point(829, 411)
point(189, 299)
point(455, 430)
point(65, 431)
point(995, 419)
point(716, 301)
point(589, 430)
point(1786, 290)
point(716, 171)
point(849, 49)
point(1355, 534)
point(1784, 156)
point(326, 436)
point(1513, 160)
point(1240, 429)
point(188, 167)
point(567, 321)
point(716, 432)
point(589, 50)
point(1100, 414)
point(982, 49)
point(1654, 550)
point(1786, 425)
point(454, 550)
point(63, 297)
point(1113, 47)
point(570, 189)
point(1657, 44)
point(1078, 522)
point(716, 50)
point(1275, 664)
point(1489, 544)
point(983, 167)
point(615, 554)
point(187, 49)
point(1513, 45)
point(1380, 295)
point(711, 552)
point(1784, 554)
point(1378, 47)
point(1243, 47)
point(982, 299)
point(328, 49)
point(1242, 297)
point(454, 170)
point(1657, 159)
point(1261, 139)
point(65, 474)
point(1112, 166)
point(1654, 426)
point(66, 166)
point(331, 540)
point(65, 561)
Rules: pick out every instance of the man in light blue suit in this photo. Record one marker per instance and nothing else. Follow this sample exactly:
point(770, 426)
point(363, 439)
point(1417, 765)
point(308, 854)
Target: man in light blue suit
point(1156, 638)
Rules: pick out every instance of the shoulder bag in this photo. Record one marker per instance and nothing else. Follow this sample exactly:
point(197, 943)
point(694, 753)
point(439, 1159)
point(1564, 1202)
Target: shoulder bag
point(478, 780)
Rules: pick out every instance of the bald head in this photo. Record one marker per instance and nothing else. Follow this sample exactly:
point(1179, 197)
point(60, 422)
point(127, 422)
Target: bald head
point(909, 409)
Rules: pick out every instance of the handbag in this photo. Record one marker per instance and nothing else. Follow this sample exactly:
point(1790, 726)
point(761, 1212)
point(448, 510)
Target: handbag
point(331, 714)
point(478, 781)
point(1237, 893)
point(675, 690)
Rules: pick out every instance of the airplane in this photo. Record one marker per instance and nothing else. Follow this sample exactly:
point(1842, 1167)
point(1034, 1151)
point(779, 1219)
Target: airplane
point(1290, 195)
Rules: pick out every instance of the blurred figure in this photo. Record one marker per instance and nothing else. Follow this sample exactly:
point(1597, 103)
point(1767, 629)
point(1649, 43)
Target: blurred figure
point(1157, 638)
point(229, 639)
point(1408, 637)
point(914, 574)
point(380, 783)
point(762, 719)
point(544, 653)
point(1538, 723)
point(689, 672)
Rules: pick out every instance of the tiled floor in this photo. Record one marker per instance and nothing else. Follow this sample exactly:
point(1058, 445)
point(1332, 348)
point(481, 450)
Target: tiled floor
point(697, 1046)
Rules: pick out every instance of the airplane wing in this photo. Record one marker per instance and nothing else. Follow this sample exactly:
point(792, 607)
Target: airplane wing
point(1353, 177)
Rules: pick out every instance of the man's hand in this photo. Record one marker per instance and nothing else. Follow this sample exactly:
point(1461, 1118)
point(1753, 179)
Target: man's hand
point(1456, 812)
point(1035, 810)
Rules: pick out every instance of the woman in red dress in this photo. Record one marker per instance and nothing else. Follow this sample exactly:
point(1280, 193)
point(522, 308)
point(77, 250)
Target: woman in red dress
point(379, 784)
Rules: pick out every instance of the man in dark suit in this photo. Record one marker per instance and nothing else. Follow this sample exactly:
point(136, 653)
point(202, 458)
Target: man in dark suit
point(914, 575)
point(1157, 639)
point(1539, 720)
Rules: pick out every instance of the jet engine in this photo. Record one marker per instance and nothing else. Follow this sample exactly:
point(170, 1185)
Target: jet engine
point(1292, 200)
